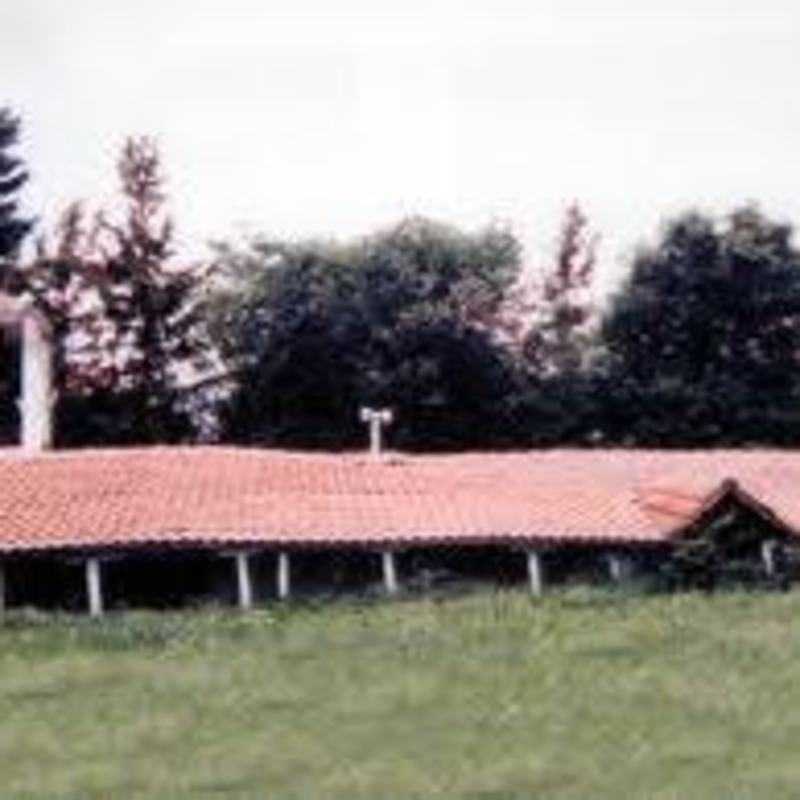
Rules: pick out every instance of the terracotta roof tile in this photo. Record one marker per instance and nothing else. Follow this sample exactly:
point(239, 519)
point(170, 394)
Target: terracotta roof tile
point(216, 495)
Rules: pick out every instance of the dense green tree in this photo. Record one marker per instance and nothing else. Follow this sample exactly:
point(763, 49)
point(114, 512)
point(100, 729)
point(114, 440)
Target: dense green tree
point(703, 339)
point(13, 228)
point(402, 318)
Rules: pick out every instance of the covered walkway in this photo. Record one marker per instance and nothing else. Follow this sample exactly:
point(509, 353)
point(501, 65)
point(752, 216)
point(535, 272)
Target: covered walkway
point(170, 527)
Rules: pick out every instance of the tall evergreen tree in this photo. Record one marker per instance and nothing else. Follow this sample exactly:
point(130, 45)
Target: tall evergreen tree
point(13, 176)
point(553, 339)
point(13, 229)
point(557, 343)
point(126, 316)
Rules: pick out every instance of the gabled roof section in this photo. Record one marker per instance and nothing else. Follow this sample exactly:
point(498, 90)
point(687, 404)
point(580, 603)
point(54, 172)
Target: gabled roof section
point(729, 491)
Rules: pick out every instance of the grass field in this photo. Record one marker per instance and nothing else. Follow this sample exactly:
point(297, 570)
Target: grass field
point(579, 695)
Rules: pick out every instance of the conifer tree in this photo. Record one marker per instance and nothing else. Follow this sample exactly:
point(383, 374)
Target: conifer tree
point(557, 341)
point(125, 315)
point(13, 176)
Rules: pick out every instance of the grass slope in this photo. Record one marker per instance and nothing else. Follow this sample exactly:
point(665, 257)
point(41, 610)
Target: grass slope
point(580, 695)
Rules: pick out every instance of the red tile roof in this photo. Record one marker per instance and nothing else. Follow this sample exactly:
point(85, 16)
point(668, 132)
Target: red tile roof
point(222, 495)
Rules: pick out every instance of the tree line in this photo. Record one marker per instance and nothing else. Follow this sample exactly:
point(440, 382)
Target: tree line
point(279, 342)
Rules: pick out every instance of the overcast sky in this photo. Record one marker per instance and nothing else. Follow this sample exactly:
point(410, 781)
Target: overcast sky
point(314, 117)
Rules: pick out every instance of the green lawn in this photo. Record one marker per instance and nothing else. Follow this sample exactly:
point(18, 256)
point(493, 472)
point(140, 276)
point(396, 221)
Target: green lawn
point(580, 695)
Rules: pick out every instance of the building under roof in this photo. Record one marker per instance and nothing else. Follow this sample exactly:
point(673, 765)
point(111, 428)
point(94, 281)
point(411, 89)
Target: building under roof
point(111, 504)
point(224, 496)
point(143, 520)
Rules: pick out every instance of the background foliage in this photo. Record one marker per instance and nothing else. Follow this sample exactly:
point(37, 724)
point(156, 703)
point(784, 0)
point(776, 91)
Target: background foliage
point(279, 341)
point(702, 342)
point(402, 318)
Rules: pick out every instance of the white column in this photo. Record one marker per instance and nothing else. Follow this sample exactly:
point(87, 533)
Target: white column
point(389, 572)
point(93, 587)
point(375, 436)
point(535, 572)
point(36, 401)
point(768, 557)
point(617, 568)
point(243, 580)
point(283, 575)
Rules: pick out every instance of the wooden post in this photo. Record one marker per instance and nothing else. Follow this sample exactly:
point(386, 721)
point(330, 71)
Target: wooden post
point(243, 580)
point(389, 572)
point(93, 587)
point(535, 572)
point(284, 579)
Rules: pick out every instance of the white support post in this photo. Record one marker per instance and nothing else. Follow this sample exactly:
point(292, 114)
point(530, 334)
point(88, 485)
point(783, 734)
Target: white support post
point(284, 578)
point(535, 572)
point(243, 580)
point(93, 587)
point(768, 557)
point(616, 567)
point(389, 572)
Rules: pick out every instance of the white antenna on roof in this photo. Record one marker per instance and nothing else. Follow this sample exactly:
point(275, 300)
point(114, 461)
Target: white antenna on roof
point(376, 418)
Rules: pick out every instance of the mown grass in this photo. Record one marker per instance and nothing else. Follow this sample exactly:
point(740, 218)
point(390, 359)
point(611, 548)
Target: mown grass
point(579, 695)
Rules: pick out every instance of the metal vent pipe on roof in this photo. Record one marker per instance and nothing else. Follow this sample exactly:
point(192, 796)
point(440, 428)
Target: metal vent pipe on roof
point(376, 418)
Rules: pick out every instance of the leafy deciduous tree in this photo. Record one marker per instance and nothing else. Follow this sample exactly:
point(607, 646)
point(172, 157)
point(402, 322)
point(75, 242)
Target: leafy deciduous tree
point(703, 341)
point(400, 318)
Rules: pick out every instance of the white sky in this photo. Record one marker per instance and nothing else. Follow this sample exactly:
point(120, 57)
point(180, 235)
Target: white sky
point(320, 118)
